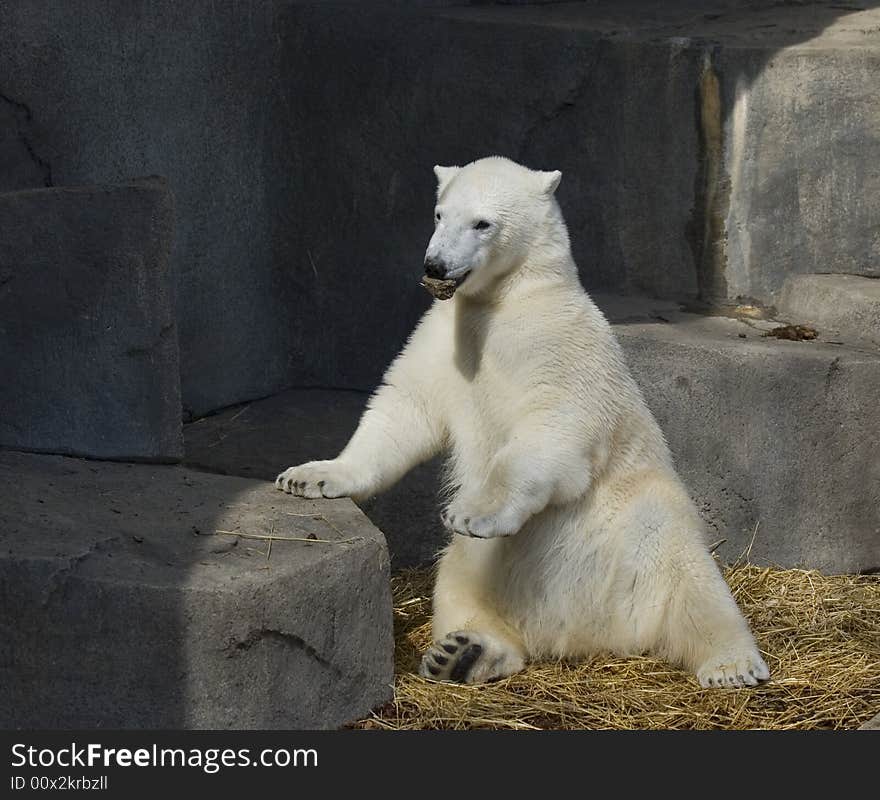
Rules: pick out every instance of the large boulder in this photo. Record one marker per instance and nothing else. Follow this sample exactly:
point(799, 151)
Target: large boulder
point(88, 341)
point(140, 596)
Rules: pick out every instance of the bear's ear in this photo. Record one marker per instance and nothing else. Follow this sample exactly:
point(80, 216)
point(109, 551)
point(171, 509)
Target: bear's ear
point(549, 181)
point(444, 175)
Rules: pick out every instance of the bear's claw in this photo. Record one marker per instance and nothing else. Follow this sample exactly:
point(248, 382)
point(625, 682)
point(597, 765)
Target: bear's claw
point(733, 671)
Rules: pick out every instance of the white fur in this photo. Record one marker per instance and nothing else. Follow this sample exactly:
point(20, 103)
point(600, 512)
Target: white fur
point(572, 532)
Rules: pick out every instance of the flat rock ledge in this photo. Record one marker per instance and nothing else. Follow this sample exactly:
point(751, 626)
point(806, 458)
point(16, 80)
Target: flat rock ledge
point(147, 596)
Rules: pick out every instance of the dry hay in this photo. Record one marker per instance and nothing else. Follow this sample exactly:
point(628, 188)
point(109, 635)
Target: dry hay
point(820, 636)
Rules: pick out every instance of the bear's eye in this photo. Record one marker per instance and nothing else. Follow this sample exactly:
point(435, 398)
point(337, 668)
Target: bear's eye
point(481, 225)
point(437, 216)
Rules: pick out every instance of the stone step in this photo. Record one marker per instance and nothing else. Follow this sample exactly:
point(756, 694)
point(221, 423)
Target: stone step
point(775, 439)
point(88, 343)
point(124, 607)
point(845, 306)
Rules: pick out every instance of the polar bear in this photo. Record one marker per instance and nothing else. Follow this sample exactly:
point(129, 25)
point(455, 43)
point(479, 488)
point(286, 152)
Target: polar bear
point(571, 531)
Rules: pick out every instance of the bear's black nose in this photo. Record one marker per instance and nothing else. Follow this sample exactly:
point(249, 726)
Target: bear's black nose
point(435, 269)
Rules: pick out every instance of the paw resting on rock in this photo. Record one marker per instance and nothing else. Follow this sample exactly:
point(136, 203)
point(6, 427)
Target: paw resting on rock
point(318, 479)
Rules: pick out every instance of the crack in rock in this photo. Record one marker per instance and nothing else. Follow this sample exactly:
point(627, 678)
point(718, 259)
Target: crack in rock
point(833, 369)
point(289, 640)
point(706, 230)
point(135, 352)
point(24, 117)
point(55, 580)
point(570, 99)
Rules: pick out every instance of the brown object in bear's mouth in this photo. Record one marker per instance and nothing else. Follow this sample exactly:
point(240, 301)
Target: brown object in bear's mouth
point(441, 290)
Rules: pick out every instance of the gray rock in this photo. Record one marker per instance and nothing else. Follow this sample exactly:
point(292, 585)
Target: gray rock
point(845, 306)
point(123, 609)
point(299, 140)
point(197, 93)
point(88, 344)
point(871, 724)
point(776, 440)
point(802, 159)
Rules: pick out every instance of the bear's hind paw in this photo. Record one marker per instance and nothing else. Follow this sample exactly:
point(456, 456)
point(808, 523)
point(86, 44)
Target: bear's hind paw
point(468, 657)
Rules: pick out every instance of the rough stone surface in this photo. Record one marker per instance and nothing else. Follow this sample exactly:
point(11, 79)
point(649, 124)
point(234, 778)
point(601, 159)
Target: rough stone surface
point(262, 438)
point(299, 140)
point(122, 610)
point(845, 306)
point(88, 343)
point(871, 724)
point(774, 435)
point(802, 159)
point(775, 439)
point(195, 92)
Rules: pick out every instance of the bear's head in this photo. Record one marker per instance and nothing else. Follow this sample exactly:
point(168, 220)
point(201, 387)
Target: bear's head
point(489, 216)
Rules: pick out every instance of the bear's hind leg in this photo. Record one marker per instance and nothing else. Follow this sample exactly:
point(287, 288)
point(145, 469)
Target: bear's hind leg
point(678, 596)
point(473, 644)
point(706, 629)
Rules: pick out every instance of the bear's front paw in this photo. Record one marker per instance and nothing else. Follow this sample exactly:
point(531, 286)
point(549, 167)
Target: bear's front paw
point(468, 518)
point(318, 479)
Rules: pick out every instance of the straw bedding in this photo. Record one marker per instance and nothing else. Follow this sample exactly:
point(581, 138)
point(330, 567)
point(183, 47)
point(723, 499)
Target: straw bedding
point(820, 636)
